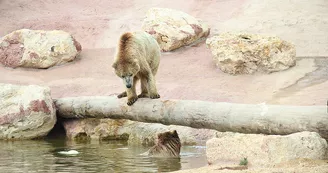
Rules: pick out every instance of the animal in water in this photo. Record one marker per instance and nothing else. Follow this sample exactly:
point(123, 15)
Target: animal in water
point(168, 145)
point(137, 58)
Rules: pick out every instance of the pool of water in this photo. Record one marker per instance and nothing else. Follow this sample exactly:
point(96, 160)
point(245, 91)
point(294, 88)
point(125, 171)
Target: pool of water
point(93, 157)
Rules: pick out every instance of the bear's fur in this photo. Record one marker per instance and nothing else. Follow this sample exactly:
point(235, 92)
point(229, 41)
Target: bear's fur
point(137, 58)
point(168, 145)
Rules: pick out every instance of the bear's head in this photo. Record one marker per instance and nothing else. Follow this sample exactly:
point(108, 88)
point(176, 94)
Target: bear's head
point(166, 137)
point(126, 70)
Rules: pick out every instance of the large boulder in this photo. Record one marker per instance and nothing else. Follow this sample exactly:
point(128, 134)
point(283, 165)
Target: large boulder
point(265, 150)
point(245, 53)
point(293, 166)
point(26, 112)
point(173, 29)
point(38, 48)
point(134, 132)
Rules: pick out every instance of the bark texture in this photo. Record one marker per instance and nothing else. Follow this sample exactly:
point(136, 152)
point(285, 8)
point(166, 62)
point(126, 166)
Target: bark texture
point(221, 116)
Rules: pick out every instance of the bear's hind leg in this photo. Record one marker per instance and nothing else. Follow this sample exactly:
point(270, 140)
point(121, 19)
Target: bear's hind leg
point(144, 89)
point(153, 94)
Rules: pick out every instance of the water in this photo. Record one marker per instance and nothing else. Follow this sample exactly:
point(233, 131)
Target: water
point(93, 157)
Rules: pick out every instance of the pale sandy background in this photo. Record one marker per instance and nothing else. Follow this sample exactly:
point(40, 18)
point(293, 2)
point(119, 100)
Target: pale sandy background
point(187, 73)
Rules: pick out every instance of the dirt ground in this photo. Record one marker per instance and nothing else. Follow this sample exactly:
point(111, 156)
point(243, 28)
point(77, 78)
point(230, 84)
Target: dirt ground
point(187, 73)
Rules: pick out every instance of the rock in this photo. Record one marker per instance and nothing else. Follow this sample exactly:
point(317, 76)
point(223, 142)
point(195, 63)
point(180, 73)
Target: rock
point(297, 165)
point(173, 29)
point(27, 112)
point(134, 132)
point(95, 129)
point(38, 48)
point(242, 53)
point(265, 150)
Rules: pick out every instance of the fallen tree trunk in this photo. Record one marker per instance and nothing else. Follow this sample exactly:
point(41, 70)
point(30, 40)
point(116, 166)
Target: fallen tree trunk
point(221, 116)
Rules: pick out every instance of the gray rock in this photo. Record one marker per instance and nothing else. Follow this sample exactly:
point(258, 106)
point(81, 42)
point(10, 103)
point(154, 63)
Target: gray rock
point(38, 48)
point(134, 132)
point(174, 29)
point(27, 112)
point(265, 150)
point(244, 53)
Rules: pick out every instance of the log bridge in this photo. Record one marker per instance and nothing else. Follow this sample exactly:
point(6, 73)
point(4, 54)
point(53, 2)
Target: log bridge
point(220, 116)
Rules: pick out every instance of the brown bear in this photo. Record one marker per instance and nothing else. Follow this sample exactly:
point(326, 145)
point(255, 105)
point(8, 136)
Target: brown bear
point(137, 58)
point(168, 145)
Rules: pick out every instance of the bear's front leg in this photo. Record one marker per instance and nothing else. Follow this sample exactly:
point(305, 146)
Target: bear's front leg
point(123, 94)
point(153, 94)
point(131, 93)
point(132, 96)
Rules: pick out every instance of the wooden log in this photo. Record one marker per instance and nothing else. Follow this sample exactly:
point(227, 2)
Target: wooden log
point(221, 116)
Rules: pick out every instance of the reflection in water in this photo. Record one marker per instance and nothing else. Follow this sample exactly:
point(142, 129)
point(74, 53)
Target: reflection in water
point(94, 156)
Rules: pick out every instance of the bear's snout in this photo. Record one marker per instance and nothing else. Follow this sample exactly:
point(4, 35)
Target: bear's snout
point(128, 85)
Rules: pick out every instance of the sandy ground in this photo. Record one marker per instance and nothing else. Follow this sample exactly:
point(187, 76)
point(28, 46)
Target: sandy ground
point(187, 73)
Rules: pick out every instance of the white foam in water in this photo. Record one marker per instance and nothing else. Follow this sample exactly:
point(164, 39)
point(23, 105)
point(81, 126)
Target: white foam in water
point(119, 149)
point(70, 152)
point(122, 148)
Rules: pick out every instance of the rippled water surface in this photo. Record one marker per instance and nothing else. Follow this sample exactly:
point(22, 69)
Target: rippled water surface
point(109, 156)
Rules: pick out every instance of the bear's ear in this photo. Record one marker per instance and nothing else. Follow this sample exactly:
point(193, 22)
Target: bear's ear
point(138, 67)
point(114, 65)
point(159, 135)
point(135, 62)
point(174, 132)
